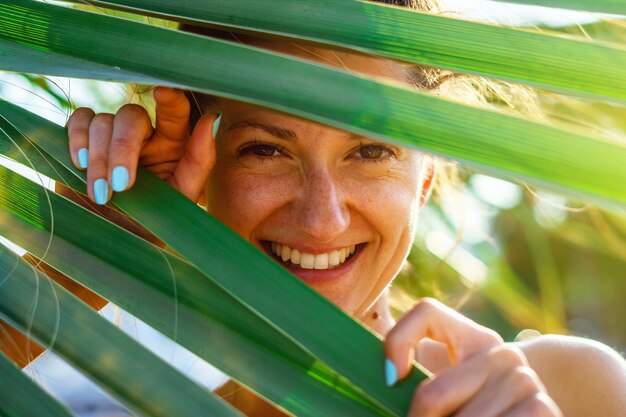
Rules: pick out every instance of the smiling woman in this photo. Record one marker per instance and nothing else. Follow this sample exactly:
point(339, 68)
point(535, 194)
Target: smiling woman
point(316, 192)
point(339, 211)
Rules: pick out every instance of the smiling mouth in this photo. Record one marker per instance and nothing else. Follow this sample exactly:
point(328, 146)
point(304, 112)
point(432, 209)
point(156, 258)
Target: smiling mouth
point(324, 261)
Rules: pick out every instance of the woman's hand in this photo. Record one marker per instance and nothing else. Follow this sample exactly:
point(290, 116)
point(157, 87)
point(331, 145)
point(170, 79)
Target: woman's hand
point(111, 146)
point(485, 377)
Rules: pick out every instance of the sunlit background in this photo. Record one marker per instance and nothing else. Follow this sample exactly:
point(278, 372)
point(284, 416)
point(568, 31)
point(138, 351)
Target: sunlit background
point(522, 261)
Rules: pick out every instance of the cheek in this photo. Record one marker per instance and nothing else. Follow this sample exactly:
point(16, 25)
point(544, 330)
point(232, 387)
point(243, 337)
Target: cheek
point(396, 208)
point(390, 203)
point(243, 200)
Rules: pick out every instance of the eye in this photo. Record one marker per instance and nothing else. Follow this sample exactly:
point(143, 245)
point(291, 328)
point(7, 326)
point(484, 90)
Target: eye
point(373, 152)
point(261, 150)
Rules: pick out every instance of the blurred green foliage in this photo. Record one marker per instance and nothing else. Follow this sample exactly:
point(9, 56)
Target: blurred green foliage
point(561, 271)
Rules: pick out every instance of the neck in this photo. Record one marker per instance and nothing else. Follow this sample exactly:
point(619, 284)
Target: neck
point(378, 317)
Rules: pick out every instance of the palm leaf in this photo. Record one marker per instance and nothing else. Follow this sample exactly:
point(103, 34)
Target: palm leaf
point(218, 251)
point(203, 314)
point(324, 361)
point(491, 141)
point(46, 311)
point(176, 299)
point(603, 6)
point(518, 55)
point(26, 398)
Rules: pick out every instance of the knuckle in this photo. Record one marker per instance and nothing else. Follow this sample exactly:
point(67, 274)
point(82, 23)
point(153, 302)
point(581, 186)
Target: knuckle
point(526, 379)
point(102, 118)
point(132, 109)
point(429, 302)
point(102, 121)
point(424, 306)
point(82, 112)
point(125, 146)
point(80, 116)
point(97, 161)
point(511, 355)
point(493, 336)
point(195, 159)
point(78, 134)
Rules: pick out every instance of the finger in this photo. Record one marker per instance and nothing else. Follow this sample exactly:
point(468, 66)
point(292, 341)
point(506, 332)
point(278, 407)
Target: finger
point(432, 355)
point(536, 405)
point(196, 164)
point(455, 386)
point(432, 319)
point(172, 114)
point(131, 128)
point(503, 393)
point(100, 132)
point(78, 133)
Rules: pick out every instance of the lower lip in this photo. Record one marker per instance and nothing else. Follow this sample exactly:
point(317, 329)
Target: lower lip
point(313, 276)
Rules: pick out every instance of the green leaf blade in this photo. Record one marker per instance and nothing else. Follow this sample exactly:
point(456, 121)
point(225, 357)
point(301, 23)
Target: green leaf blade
point(26, 397)
point(537, 59)
point(172, 296)
point(600, 6)
point(490, 141)
point(335, 346)
point(43, 309)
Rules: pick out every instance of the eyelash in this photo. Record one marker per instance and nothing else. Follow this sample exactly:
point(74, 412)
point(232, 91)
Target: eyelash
point(389, 153)
point(248, 149)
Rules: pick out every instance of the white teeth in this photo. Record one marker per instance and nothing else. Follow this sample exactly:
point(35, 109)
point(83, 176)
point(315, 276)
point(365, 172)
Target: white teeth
point(285, 254)
point(333, 258)
point(321, 261)
point(295, 256)
point(309, 261)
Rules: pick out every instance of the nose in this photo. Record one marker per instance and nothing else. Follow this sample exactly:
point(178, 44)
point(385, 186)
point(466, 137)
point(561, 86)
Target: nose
point(321, 213)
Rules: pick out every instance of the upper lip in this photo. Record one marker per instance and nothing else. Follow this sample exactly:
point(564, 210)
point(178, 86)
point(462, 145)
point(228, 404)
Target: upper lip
point(311, 249)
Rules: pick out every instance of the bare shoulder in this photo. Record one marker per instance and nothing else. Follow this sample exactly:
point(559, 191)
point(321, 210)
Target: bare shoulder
point(583, 376)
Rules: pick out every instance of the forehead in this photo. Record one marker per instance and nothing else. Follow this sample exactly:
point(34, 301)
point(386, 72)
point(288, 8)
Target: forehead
point(351, 61)
point(348, 60)
point(277, 123)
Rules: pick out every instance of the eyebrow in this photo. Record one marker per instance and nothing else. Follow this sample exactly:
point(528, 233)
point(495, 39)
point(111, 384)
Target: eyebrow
point(286, 134)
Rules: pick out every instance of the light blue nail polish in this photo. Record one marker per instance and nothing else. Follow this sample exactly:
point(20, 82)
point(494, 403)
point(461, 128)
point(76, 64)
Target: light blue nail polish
point(83, 157)
point(101, 191)
point(216, 124)
point(119, 178)
point(391, 374)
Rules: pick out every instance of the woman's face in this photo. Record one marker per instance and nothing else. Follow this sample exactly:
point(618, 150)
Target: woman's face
point(337, 210)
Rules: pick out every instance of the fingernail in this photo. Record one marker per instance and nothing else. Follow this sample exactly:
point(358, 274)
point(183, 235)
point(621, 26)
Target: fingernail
point(101, 191)
point(119, 178)
point(83, 157)
point(216, 124)
point(391, 374)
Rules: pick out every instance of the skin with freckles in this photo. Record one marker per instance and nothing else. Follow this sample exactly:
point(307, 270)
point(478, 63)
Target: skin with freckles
point(275, 178)
point(321, 188)
point(318, 190)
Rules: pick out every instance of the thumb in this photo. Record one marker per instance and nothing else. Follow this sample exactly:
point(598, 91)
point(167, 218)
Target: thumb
point(196, 163)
